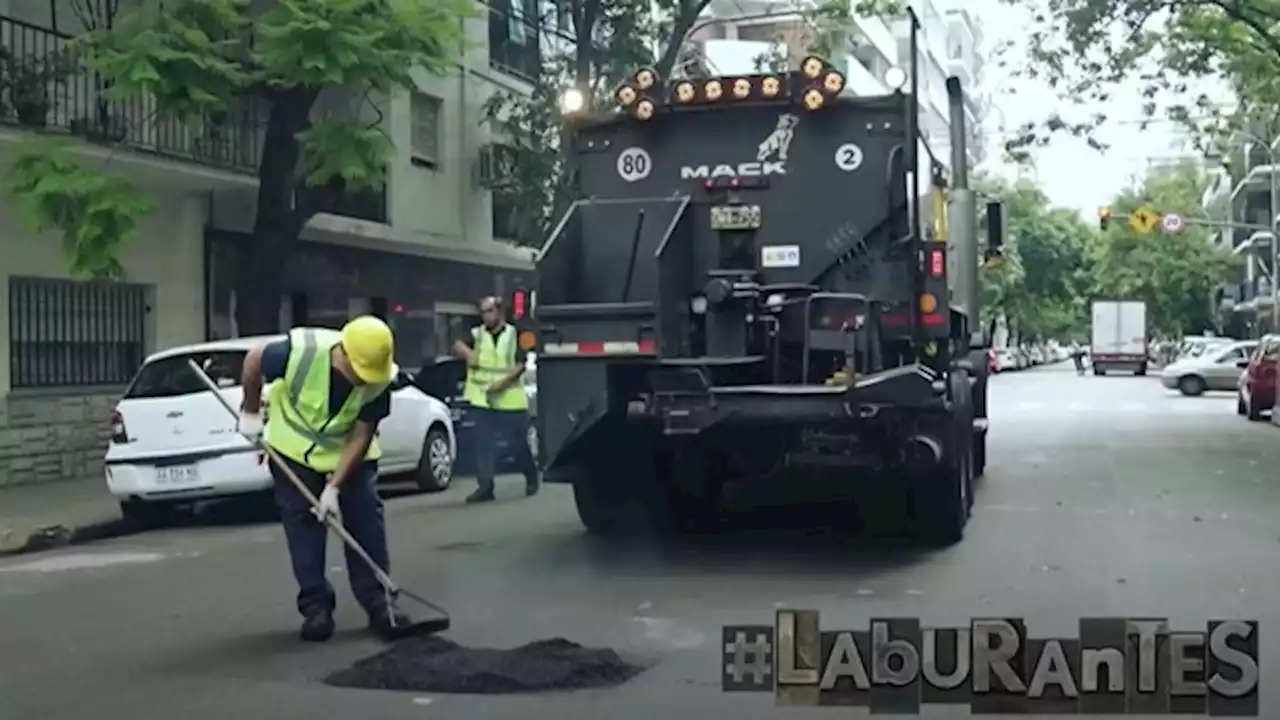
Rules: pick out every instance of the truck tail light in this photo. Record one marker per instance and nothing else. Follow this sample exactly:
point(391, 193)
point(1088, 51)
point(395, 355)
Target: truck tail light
point(119, 434)
point(937, 263)
point(518, 304)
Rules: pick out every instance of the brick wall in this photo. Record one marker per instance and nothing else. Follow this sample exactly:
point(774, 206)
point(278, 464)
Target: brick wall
point(44, 439)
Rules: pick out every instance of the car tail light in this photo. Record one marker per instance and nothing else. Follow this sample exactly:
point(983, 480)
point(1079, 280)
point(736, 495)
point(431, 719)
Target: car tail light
point(119, 434)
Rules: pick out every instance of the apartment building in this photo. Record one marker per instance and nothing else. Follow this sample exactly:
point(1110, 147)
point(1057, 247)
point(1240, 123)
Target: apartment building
point(1241, 193)
point(419, 252)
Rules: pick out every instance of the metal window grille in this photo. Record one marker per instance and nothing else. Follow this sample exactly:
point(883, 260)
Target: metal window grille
point(424, 116)
point(70, 334)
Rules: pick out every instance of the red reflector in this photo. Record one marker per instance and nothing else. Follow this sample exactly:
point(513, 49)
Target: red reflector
point(517, 304)
point(708, 184)
point(937, 264)
point(590, 347)
point(933, 319)
point(648, 346)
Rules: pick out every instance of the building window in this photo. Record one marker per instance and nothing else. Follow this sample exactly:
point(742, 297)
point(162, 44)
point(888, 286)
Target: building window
point(73, 334)
point(424, 138)
point(515, 38)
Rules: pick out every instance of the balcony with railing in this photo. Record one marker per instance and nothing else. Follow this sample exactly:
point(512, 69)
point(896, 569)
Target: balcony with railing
point(361, 204)
point(46, 87)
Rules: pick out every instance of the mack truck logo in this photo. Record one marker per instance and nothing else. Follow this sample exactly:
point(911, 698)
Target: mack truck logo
point(771, 156)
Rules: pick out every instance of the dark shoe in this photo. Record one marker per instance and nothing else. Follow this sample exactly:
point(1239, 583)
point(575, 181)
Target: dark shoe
point(479, 496)
point(388, 624)
point(531, 486)
point(317, 627)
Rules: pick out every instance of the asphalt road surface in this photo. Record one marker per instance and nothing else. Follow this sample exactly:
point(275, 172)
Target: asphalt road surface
point(1103, 497)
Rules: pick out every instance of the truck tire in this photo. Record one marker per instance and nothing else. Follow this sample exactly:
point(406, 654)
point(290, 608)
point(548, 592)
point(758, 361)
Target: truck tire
point(943, 500)
point(602, 508)
point(1142, 370)
point(979, 454)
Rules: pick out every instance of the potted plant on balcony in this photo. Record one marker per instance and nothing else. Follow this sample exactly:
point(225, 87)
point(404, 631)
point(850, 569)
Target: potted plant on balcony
point(28, 81)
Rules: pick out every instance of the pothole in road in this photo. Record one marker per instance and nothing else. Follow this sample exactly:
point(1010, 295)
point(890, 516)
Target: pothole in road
point(434, 664)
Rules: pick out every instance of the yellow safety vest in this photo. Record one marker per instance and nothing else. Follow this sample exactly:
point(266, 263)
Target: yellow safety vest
point(300, 424)
point(495, 357)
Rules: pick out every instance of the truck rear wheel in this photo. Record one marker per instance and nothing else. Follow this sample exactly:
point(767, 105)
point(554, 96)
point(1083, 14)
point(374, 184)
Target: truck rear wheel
point(942, 501)
point(602, 508)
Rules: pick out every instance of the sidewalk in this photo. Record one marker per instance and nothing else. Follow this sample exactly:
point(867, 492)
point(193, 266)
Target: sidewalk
point(55, 513)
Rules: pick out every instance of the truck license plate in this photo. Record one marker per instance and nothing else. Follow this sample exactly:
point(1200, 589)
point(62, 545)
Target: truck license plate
point(178, 475)
point(735, 217)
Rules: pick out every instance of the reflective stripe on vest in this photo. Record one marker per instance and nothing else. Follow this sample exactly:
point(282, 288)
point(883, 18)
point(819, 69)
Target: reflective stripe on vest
point(496, 357)
point(317, 441)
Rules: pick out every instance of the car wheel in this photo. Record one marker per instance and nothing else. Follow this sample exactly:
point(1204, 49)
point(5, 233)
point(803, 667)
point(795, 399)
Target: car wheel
point(1253, 412)
point(146, 515)
point(435, 468)
point(531, 436)
point(1191, 386)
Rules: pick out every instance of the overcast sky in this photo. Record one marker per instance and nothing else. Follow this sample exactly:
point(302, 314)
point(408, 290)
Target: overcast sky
point(1073, 174)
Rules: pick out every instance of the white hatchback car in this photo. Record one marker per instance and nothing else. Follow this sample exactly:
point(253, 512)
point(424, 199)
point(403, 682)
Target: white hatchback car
point(173, 443)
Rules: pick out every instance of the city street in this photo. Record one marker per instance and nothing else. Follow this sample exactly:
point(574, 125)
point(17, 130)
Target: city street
point(1104, 496)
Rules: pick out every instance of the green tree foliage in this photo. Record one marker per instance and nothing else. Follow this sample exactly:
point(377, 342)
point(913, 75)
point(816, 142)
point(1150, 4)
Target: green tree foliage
point(1086, 49)
point(1177, 275)
point(614, 39)
point(196, 59)
point(96, 214)
point(1040, 289)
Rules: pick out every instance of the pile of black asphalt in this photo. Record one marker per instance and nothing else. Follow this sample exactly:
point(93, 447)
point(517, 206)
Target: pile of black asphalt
point(434, 664)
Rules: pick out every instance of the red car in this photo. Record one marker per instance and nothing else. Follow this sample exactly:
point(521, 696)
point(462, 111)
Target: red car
point(1256, 392)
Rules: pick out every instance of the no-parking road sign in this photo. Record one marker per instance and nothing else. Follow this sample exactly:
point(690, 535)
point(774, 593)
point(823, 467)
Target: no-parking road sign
point(1172, 223)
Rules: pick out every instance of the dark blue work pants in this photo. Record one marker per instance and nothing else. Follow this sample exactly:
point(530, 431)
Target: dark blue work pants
point(362, 515)
point(493, 426)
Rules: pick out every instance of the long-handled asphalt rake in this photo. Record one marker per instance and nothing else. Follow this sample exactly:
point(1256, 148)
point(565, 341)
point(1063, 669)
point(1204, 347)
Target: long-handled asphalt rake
point(438, 622)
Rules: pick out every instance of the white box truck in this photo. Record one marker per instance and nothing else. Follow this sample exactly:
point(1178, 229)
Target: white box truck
point(1118, 337)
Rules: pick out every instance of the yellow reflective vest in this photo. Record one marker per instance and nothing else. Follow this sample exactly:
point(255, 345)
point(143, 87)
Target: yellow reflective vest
point(300, 424)
point(494, 358)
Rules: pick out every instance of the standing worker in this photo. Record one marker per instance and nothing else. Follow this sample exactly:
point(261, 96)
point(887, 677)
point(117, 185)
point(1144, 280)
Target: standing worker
point(331, 389)
point(495, 366)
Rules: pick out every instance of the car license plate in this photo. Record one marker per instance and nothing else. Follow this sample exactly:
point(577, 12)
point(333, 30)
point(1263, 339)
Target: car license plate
point(735, 217)
point(178, 475)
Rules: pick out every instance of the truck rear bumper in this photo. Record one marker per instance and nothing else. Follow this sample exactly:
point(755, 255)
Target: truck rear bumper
point(684, 408)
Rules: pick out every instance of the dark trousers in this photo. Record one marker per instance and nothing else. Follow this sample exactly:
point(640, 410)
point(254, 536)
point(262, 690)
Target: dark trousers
point(492, 426)
point(362, 515)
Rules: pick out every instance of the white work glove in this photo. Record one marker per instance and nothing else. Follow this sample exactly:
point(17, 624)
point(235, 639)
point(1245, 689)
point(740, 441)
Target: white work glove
point(328, 506)
point(250, 426)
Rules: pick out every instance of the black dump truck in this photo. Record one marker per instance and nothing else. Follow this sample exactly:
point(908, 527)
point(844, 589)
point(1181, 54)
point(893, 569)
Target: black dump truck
point(754, 286)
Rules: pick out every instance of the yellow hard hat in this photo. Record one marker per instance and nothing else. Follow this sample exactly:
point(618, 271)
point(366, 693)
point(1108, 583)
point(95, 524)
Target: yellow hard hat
point(370, 347)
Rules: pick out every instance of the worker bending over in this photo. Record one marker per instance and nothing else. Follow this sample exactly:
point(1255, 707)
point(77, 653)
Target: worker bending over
point(331, 390)
point(495, 367)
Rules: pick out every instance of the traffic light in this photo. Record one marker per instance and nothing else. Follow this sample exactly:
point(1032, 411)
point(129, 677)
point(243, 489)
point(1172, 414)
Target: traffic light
point(1104, 218)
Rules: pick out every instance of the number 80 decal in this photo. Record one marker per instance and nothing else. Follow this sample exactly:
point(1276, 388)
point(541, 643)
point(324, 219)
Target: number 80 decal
point(634, 164)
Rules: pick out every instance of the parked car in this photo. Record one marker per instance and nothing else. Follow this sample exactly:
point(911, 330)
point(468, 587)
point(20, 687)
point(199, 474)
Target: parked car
point(173, 444)
point(1036, 355)
point(1023, 358)
point(1256, 391)
point(1005, 359)
point(1216, 369)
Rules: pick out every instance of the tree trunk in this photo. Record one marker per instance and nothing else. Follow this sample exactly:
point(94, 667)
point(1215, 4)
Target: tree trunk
point(277, 223)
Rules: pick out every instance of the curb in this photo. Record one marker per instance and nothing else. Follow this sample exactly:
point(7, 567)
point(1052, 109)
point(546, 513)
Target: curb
point(57, 536)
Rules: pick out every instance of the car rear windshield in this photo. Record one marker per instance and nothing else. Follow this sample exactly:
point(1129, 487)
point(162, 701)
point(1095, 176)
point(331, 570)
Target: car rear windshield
point(171, 376)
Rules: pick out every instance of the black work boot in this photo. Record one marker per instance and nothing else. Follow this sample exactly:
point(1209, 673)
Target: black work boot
point(388, 623)
point(531, 485)
point(317, 626)
point(480, 496)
